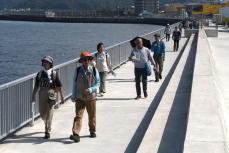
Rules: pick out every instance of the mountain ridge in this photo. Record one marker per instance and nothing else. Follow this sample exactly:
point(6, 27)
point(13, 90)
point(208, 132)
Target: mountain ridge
point(75, 4)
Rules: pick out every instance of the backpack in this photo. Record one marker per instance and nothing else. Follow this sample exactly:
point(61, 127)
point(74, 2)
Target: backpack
point(78, 70)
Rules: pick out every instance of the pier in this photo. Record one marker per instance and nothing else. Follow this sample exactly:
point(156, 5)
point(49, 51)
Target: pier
point(186, 111)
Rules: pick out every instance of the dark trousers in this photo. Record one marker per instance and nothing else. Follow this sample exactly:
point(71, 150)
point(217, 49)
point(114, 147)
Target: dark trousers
point(140, 75)
point(159, 65)
point(176, 45)
point(167, 37)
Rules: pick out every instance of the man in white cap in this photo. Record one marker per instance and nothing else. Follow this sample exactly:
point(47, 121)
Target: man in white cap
point(48, 83)
point(167, 32)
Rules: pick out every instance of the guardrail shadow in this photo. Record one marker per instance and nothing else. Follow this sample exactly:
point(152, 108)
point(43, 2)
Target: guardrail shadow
point(33, 139)
point(175, 130)
point(120, 80)
point(142, 128)
point(101, 99)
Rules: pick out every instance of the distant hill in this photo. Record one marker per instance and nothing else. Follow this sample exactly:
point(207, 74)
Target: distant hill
point(65, 4)
point(9, 3)
point(74, 4)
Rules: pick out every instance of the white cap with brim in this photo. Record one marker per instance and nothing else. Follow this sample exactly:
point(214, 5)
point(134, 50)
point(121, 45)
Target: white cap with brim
point(48, 59)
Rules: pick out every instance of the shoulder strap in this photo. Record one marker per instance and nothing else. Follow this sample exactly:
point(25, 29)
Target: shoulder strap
point(94, 71)
point(53, 78)
point(106, 57)
point(54, 73)
point(39, 74)
point(77, 72)
point(106, 54)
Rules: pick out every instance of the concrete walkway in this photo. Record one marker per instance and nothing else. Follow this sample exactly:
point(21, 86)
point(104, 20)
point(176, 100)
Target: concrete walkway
point(121, 123)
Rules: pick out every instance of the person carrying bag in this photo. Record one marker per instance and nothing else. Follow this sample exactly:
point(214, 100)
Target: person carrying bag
point(48, 84)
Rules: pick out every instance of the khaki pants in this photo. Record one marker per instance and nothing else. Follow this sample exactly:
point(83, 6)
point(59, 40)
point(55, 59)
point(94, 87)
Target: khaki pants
point(46, 110)
point(159, 65)
point(91, 110)
point(103, 77)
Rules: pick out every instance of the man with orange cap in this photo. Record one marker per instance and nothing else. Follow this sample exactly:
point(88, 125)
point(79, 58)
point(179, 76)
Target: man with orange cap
point(86, 81)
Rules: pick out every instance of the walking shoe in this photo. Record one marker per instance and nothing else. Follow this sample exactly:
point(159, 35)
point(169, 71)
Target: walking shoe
point(75, 137)
point(92, 135)
point(47, 135)
point(157, 80)
point(138, 97)
point(100, 94)
point(160, 76)
point(145, 94)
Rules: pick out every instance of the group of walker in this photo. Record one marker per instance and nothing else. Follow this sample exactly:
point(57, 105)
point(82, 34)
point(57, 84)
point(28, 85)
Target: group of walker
point(90, 76)
point(176, 35)
point(87, 79)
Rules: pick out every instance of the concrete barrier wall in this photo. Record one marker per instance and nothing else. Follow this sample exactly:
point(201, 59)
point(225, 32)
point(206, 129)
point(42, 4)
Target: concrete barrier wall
point(211, 32)
point(205, 128)
point(189, 32)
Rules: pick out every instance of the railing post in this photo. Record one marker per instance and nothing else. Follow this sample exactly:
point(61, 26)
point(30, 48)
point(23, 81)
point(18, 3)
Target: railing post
point(32, 107)
point(33, 114)
point(119, 55)
point(58, 103)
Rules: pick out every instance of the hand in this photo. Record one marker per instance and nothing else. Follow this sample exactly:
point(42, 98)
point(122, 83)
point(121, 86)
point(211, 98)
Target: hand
point(33, 99)
point(62, 100)
point(154, 67)
point(130, 59)
point(86, 92)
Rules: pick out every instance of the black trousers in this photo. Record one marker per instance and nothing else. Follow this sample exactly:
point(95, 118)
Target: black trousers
point(140, 75)
point(167, 37)
point(176, 45)
point(159, 65)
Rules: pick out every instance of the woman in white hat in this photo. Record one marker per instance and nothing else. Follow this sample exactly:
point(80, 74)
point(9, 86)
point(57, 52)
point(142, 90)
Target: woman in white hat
point(48, 83)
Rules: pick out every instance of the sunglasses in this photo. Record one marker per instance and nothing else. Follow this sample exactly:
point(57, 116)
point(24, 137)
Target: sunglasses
point(85, 59)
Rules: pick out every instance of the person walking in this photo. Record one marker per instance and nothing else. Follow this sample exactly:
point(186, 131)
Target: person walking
point(176, 38)
point(48, 83)
point(85, 83)
point(167, 32)
point(180, 26)
point(158, 48)
point(140, 55)
point(103, 65)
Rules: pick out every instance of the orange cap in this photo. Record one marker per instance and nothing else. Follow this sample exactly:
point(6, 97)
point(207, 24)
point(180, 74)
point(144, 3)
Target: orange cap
point(85, 54)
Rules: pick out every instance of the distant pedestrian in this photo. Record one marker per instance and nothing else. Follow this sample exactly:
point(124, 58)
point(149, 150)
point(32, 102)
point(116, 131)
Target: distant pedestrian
point(176, 38)
point(140, 55)
point(180, 26)
point(158, 48)
point(48, 83)
point(86, 81)
point(103, 64)
point(167, 32)
point(190, 24)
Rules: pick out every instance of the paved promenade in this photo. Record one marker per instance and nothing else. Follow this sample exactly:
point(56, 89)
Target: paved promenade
point(122, 122)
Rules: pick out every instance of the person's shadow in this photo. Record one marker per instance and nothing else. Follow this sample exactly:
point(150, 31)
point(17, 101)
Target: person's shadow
point(34, 139)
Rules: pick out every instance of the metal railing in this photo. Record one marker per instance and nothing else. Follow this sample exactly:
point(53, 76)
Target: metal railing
point(16, 109)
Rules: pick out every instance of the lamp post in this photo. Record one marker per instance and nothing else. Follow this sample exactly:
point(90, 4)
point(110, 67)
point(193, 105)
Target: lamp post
point(118, 11)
